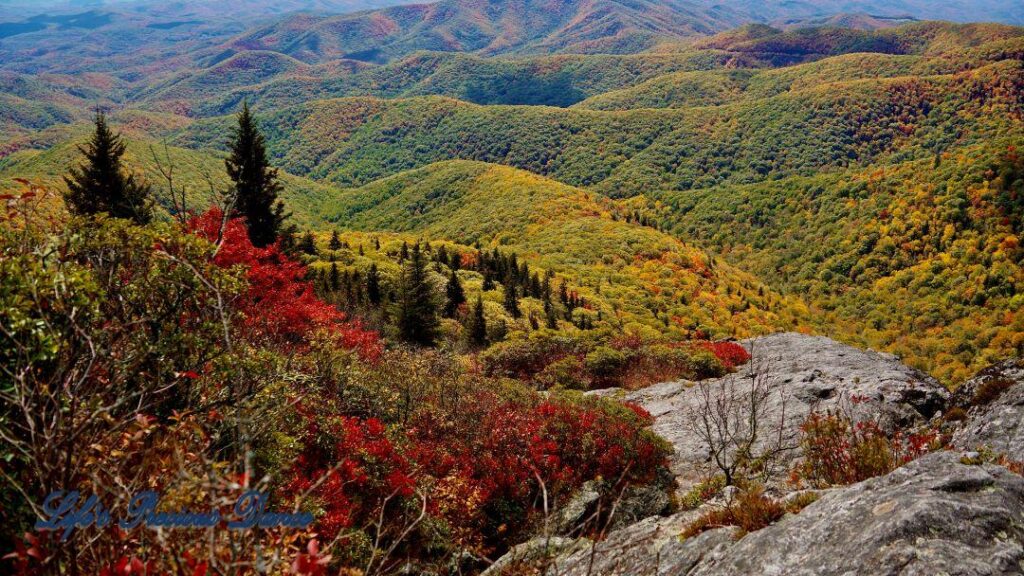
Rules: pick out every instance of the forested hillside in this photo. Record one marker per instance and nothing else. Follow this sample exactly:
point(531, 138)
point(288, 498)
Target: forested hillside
point(695, 135)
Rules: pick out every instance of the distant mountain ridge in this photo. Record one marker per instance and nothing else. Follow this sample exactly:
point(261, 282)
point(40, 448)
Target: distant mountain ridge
point(488, 27)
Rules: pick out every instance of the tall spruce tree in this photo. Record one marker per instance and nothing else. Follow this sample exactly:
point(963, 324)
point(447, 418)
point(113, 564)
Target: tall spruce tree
point(102, 184)
point(417, 310)
point(256, 183)
point(476, 329)
point(455, 296)
point(511, 299)
point(308, 244)
point(335, 243)
point(373, 293)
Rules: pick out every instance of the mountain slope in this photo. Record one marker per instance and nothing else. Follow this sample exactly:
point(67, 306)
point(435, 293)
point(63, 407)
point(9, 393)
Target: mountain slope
point(803, 131)
point(486, 27)
point(955, 10)
point(643, 276)
point(922, 258)
point(559, 80)
point(302, 197)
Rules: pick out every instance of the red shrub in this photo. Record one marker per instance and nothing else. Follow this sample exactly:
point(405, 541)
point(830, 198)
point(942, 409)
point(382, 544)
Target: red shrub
point(352, 470)
point(730, 354)
point(838, 451)
point(751, 511)
point(280, 305)
point(498, 452)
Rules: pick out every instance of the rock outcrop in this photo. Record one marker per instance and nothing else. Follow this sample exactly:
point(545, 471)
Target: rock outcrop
point(805, 373)
point(948, 513)
point(935, 515)
point(994, 402)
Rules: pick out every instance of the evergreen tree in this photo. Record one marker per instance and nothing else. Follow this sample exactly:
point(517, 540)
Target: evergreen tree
point(308, 244)
point(334, 279)
point(417, 311)
point(476, 330)
point(256, 183)
point(550, 319)
point(511, 299)
point(373, 293)
point(456, 296)
point(545, 289)
point(335, 243)
point(102, 184)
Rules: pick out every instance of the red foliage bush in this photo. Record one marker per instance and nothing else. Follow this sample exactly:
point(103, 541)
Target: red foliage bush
point(730, 354)
point(351, 468)
point(752, 510)
point(505, 453)
point(839, 451)
point(279, 305)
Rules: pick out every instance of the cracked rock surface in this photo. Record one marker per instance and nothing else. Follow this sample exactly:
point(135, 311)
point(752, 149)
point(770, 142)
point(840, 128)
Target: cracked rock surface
point(805, 373)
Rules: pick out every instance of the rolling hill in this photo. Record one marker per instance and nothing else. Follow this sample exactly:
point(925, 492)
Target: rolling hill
point(486, 27)
point(922, 258)
point(303, 198)
point(801, 131)
point(799, 155)
point(635, 275)
point(560, 80)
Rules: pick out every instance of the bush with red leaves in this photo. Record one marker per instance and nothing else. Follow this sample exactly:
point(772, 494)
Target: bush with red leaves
point(730, 354)
point(505, 454)
point(839, 451)
point(351, 469)
point(280, 304)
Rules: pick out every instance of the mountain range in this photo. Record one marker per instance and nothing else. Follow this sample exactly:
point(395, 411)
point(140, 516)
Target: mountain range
point(804, 156)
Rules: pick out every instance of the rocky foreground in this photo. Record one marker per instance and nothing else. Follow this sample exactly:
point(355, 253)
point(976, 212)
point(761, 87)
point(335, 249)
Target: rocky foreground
point(948, 513)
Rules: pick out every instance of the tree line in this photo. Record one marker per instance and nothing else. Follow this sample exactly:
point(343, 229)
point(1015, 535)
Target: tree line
point(103, 184)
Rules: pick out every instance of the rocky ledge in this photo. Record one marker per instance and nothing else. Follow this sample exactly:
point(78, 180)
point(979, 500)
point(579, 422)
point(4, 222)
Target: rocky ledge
point(804, 374)
point(950, 512)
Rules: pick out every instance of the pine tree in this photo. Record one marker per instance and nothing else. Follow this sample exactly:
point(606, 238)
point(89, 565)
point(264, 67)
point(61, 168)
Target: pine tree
point(308, 244)
point(456, 296)
point(334, 279)
point(102, 185)
point(373, 293)
point(417, 311)
point(476, 329)
point(550, 319)
point(512, 300)
point(488, 282)
point(256, 183)
point(335, 243)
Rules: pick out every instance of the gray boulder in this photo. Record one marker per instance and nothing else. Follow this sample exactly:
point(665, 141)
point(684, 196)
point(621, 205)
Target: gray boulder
point(994, 400)
point(805, 373)
point(635, 549)
point(933, 516)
